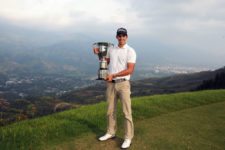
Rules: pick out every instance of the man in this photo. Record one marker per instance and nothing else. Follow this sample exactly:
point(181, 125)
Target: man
point(121, 60)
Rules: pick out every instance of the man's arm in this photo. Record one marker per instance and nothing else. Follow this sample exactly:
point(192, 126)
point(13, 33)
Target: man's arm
point(108, 60)
point(129, 70)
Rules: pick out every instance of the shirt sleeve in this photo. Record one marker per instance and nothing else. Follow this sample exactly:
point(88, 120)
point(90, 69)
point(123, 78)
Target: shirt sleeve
point(131, 56)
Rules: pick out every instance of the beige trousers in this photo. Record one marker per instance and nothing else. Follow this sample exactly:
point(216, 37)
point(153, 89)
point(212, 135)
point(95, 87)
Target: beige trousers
point(121, 90)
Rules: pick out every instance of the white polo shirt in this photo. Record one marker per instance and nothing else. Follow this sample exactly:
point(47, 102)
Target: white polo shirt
point(119, 57)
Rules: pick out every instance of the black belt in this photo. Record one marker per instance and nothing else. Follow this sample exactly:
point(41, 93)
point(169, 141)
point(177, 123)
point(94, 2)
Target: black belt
point(118, 80)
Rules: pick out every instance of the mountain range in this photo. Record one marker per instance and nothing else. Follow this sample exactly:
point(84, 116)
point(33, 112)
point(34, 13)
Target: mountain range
point(24, 49)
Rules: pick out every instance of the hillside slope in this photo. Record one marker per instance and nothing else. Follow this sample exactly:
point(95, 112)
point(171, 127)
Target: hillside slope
point(57, 131)
point(149, 86)
point(177, 130)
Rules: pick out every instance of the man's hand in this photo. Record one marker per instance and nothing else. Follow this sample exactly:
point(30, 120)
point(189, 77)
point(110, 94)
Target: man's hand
point(129, 70)
point(109, 77)
point(96, 50)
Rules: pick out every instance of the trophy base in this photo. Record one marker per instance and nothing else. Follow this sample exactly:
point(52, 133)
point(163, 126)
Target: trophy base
point(102, 74)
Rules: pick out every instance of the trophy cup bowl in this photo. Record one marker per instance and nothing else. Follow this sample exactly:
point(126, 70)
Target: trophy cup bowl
point(102, 47)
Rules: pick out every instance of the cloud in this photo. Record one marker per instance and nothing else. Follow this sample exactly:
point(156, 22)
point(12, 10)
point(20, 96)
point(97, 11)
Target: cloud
point(147, 15)
point(183, 22)
point(182, 14)
point(66, 13)
point(183, 26)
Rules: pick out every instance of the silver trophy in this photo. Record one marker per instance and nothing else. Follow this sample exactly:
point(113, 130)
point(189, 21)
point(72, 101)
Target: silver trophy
point(102, 47)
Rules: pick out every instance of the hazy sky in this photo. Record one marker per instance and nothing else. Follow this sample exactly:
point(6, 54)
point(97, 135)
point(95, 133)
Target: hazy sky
point(184, 25)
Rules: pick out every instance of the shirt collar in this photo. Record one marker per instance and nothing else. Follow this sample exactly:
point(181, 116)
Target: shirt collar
point(125, 46)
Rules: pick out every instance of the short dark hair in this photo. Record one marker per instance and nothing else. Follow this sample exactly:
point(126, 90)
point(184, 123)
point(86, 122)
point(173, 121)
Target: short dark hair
point(122, 31)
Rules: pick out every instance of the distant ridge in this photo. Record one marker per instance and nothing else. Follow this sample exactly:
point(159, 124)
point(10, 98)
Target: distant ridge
point(149, 86)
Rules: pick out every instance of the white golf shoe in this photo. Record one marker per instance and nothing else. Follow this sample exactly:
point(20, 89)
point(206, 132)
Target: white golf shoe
point(106, 137)
point(126, 143)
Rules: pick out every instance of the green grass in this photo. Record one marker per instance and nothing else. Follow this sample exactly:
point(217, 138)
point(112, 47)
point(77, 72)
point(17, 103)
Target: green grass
point(197, 128)
point(60, 129)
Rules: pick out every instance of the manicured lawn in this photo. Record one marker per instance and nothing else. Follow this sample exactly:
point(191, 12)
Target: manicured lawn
point(191, 120)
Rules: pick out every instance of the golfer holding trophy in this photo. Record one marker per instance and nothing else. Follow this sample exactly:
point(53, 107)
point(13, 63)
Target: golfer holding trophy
point(116, 64)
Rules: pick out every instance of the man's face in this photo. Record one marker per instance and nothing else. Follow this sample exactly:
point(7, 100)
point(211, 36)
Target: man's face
point(122, 39)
